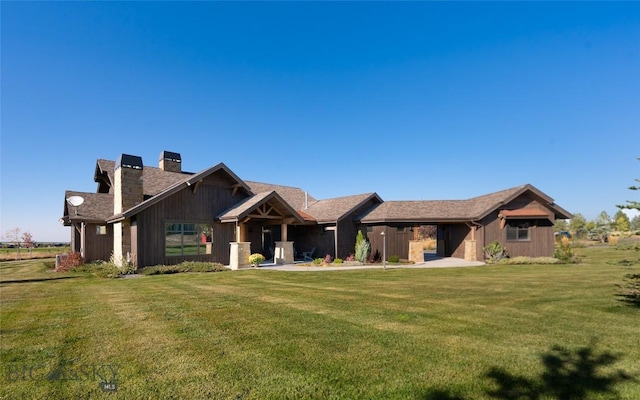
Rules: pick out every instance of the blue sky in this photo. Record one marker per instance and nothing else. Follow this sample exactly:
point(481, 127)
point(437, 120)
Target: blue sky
point(412, 100)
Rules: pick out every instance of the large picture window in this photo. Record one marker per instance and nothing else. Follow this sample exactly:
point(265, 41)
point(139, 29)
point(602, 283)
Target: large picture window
point(518, 231)
point(186, 239)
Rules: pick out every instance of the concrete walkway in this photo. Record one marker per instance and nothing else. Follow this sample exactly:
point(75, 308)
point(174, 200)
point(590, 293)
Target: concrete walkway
point(431, 261)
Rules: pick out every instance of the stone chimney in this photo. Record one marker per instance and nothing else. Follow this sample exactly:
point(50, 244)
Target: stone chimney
point(170, 161)
point(127, 194)
point(128, 183)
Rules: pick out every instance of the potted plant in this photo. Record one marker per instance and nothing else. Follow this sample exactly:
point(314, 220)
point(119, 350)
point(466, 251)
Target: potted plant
point(255, 259)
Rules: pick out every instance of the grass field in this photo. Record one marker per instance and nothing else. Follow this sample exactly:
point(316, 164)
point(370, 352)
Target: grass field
point(36, 252)
point(507, 332)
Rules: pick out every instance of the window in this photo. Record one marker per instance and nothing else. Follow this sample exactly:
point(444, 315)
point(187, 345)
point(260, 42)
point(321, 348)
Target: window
point(186, 239)
point(101, 230)
point(518, 231)
point(369, 229)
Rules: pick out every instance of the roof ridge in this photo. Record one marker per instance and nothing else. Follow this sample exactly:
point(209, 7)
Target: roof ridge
point(349, 196)
point(274, 184)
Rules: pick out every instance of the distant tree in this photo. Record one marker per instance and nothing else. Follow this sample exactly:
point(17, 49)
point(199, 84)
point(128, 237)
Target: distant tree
point(591, 225)
point(602, 226)
point(427, 232)
point(561, 225)
point(28, 242)
point(578, 225)
point(631, 204)
point(14, 236)
point(621, 221)
point(635, 223)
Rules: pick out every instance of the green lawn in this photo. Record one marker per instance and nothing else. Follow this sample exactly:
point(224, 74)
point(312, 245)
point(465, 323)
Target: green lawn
point(505, 332)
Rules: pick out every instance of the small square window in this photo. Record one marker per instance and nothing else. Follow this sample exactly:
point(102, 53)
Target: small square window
point(518, 232)
point(101, 230)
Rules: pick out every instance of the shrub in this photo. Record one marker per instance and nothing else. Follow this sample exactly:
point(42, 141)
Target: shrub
point(187, 266)
point(100, 269)
point(337, 260)
point(126, 264)
point(528, 260)
point(318, 261)
point(362, 251)
point(69, 261)
point(255, 259)
point(564, 252)
point(375, 257)
point(359, 239)
point(494, 251)
point(351, 257)
point(327, 259)
point(394, 259)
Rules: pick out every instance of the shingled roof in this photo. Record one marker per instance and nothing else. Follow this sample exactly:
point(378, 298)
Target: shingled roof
point(433, 211)
point(292, 195)
point(97, 207)
point(158, 184)
point(245, 208)
point(186, 181)
point(154, 180)
point(332, 210)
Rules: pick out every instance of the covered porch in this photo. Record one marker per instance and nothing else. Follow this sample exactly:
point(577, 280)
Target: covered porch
point(261, 225)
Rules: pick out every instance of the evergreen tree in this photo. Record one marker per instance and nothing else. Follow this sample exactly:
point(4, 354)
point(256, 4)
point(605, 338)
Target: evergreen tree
point(602, 226)
point(632, 204)
point(621, 221)
point(578, 225)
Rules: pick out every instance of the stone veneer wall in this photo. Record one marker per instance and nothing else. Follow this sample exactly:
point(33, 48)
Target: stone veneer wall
point(170, 165)
point(284, 253)
point(470, 253)
point(127, 194)
point(416, 251)
point(239, 256)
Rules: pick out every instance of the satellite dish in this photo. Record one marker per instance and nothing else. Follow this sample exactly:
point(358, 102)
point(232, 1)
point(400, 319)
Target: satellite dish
point(75, 200)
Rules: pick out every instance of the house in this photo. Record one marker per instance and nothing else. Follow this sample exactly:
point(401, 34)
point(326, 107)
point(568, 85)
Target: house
point(521, 219)
point(146, 215)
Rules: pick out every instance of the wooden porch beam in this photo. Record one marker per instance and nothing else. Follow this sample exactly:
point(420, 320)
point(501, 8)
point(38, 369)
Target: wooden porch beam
point(473, 228)
point(235, 189)
point(259, 216)
point(194, 188)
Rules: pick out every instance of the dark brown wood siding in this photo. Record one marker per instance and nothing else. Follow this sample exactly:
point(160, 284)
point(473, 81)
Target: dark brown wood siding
point(348, 229)
point(451, 239)
point(397, 240)
point(199, 206)
point(98, 247)
point(541, 237)
point(306, 237)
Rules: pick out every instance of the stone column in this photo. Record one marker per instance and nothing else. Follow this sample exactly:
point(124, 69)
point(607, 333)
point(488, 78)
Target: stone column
point(470, 247)
point(416, 251)
point(239, 255)
point(284, 253)
point(127, 193)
